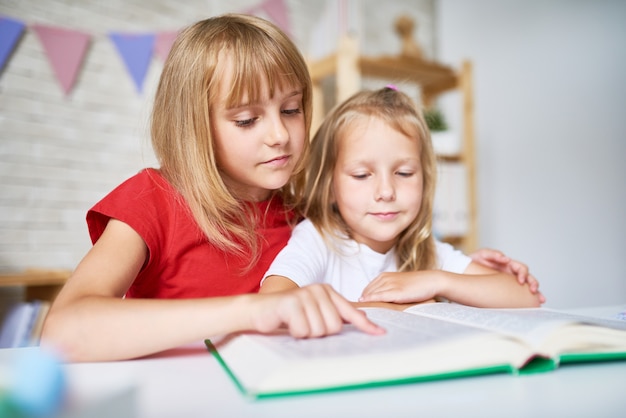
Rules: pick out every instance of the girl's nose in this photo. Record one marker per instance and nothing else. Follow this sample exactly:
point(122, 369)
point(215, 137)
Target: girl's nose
point(277, 132)
point(385, 190)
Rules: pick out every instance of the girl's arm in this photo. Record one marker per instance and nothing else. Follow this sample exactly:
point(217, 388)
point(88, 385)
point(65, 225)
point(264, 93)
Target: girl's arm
point(497, 260)
point(272, 284)
point(280, 283)
point(91, 321)
point(480, 286)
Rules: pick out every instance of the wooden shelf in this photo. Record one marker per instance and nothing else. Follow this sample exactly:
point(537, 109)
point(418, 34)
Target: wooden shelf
point(433, 78)
point(39, 284)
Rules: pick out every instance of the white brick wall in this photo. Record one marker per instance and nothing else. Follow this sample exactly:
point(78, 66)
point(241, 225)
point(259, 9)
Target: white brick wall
point(59, 155)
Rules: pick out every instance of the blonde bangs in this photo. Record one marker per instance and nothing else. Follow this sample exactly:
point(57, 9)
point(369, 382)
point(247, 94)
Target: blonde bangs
point(254, 69)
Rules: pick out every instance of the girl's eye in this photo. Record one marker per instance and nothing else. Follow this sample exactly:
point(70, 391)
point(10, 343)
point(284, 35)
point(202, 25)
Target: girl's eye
point(360, 176)
point(245, 123)
point(292, 111)
point(405, 173)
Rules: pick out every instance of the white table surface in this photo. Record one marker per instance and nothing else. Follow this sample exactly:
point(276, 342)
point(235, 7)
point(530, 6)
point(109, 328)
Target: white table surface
point(189, 382)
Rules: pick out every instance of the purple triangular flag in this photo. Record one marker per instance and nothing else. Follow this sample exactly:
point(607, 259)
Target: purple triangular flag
point(136, 51)
point(10, 32)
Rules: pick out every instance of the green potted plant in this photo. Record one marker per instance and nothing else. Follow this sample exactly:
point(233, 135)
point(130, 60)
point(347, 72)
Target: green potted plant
point(435, 120)
point(446, 142)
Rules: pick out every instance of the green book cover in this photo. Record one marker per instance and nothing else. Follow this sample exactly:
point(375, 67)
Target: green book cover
point(363, 385)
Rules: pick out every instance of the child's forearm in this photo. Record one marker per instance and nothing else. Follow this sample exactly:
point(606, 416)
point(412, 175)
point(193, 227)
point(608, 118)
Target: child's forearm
point(497, 290)
point(102, 328)
point(97, 328)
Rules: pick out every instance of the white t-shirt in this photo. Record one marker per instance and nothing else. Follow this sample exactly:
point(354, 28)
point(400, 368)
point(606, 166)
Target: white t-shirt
point(307, 259)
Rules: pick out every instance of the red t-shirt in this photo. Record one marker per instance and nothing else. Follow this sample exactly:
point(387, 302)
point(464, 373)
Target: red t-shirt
point(181, 262)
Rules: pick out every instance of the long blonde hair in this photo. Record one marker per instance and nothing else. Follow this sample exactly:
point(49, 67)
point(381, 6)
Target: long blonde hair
point(182, 138)
point(415, 249)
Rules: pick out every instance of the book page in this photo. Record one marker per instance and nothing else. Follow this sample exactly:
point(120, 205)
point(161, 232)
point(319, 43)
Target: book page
point(532, 324)
point(413, 346)
point(403, 331)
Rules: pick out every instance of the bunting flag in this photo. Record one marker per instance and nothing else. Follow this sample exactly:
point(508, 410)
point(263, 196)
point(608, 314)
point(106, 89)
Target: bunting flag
point(65, 50)
point(10, 32)
point(136, 51)
point(276, 10)
point(163, 44)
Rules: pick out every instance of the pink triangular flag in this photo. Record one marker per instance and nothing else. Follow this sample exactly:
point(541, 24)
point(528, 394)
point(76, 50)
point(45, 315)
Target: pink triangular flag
point(66, 50)
point(251, 10)
point(277, 11)
point(163, 44)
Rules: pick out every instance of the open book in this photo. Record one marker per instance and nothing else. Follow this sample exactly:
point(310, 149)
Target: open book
point(425, 342)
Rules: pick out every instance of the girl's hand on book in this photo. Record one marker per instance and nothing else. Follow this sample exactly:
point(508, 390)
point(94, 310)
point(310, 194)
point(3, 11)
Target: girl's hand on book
point(310, 311)
point(405, 287)
point(499, 261)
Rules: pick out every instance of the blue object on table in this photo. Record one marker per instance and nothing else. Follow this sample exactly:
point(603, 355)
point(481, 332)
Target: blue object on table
point(36, 385)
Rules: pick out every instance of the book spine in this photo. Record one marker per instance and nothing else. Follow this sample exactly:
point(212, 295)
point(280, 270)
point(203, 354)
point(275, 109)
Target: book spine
point(18, 326)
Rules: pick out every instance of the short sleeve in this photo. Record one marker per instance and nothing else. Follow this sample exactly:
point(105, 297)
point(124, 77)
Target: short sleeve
point(304, 259)
point(450, 259)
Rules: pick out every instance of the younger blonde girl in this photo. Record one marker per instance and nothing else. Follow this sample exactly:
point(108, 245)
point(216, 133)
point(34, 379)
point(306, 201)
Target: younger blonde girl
point(368, 202)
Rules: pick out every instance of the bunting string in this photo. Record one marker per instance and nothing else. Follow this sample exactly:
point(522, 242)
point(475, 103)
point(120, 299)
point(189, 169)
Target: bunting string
point(66, 49)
